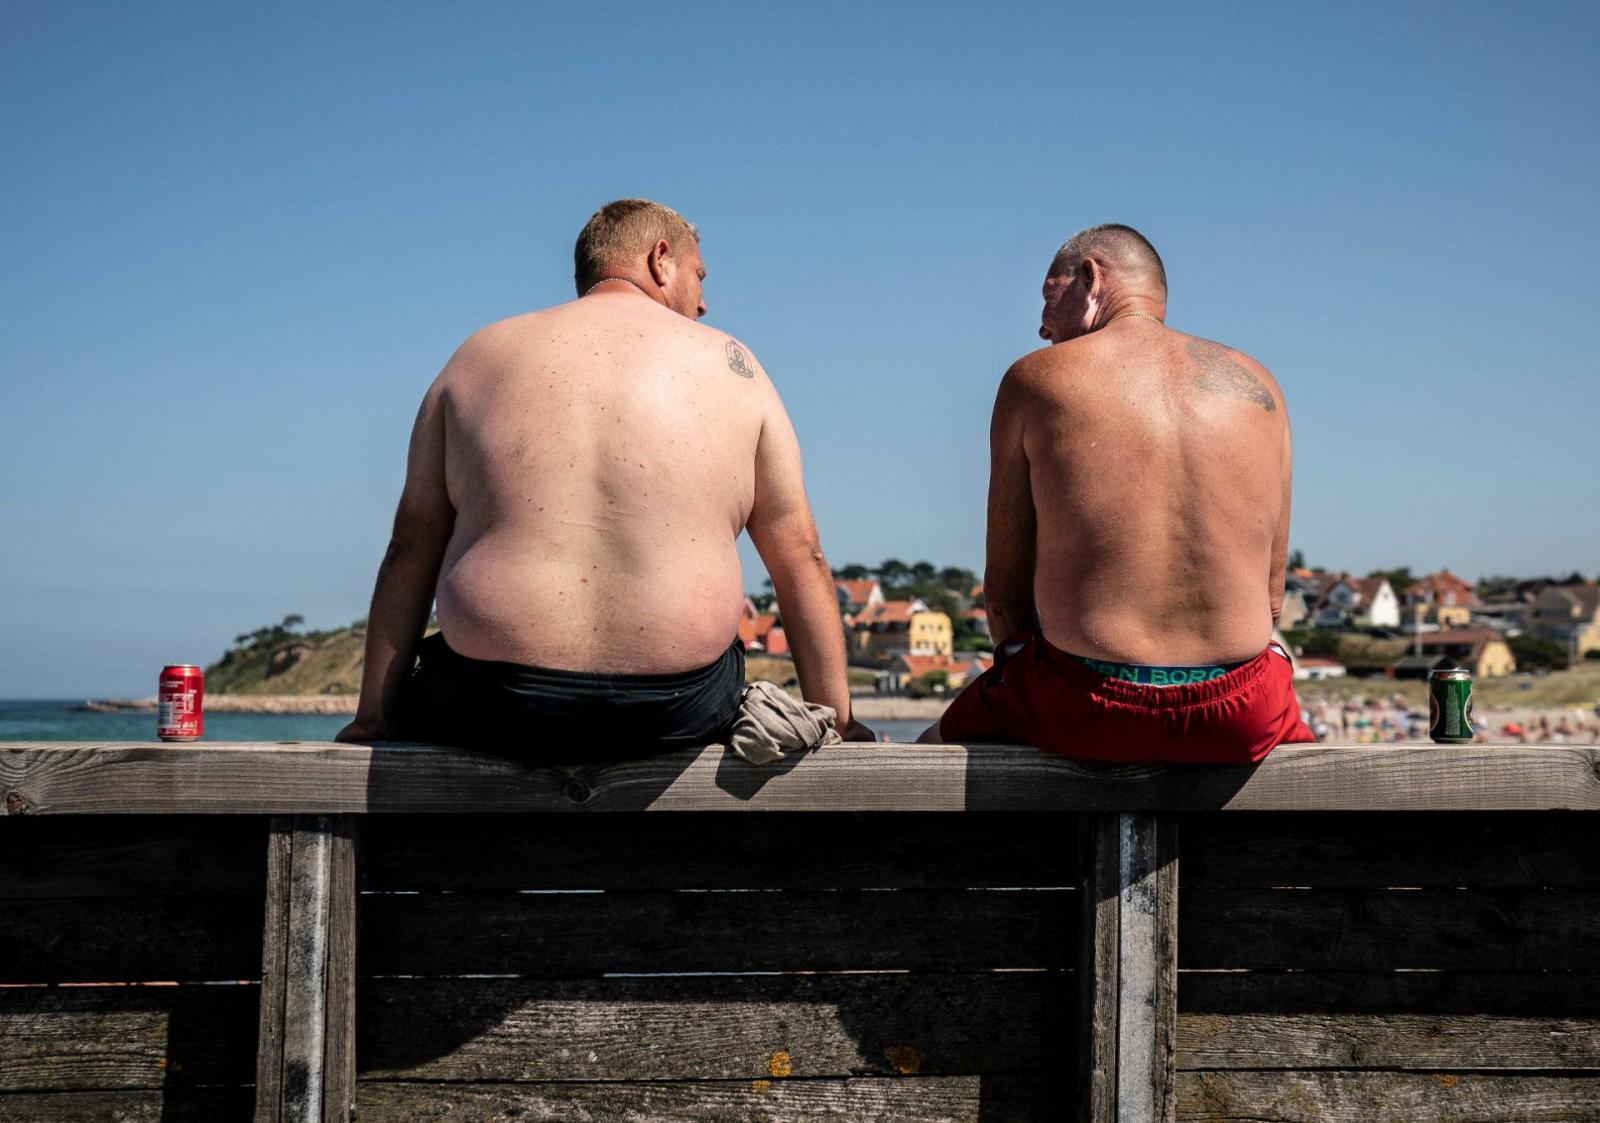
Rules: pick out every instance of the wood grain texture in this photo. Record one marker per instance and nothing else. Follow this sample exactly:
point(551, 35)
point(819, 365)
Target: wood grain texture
point(946, 1099)
point(125, 1037)
point(587, 934)
point(683, 1028)
point(339, 1039)
point(174, 1105)
point(122, 856)
point(1332, 850)
point(1386, 1097)
point(38, 778)
point(157, 939)
point(274, 960)
point(1430, 1021)
point(1359, 930)
point(703, 850)
point(1097, 969)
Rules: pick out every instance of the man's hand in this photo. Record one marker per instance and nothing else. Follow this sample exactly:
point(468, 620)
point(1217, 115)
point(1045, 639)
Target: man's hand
point(361, 732)
point(856, 731)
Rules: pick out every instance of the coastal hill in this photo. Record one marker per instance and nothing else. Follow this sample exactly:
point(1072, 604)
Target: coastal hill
point(281, 660)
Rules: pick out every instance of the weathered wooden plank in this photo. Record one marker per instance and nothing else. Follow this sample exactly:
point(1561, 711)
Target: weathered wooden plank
point(923, 1100)
point(585, 934)
point(305, 986)
point(274, 962)
point(1386, 1097)
point(1419, 1020)
point(1349, 850)
point(158, 939)
point(339, 1041)
point(696, 850)
point(175, 1105)
point(331, 779)
point(123, 856)
point(1364, 930)
point(683, 1028)
point(125, 1037)
point(1146, 965)
point(1099, 847)
point(1425, 1043)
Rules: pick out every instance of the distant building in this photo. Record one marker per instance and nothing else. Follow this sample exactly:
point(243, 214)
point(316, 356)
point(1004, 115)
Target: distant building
point(1441, 599)
point(1312, 668)
point(854, 596)
point(762, 632)
point(1478, 650)
point(1294, 609)
point(889, 628)
point(1568, 615)
point(1355, 602)
point(959, 670)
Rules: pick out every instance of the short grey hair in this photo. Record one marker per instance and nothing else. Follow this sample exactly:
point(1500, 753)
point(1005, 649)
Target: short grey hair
point(1122, 247)
point(626, 228)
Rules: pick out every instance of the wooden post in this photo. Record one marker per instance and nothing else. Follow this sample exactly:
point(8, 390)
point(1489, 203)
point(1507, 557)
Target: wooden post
point(1129, 968)
point(305, 1062)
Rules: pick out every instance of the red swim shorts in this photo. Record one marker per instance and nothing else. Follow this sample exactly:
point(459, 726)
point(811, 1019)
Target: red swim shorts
point(1042, 696)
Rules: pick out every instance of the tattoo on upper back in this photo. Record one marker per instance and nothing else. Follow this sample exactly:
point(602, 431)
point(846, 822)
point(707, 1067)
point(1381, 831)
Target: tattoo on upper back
point(737, 361)
point(1219, 374)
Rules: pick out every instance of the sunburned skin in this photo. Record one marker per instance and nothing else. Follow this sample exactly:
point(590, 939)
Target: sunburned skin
point(600, 457)
point(1140, 494)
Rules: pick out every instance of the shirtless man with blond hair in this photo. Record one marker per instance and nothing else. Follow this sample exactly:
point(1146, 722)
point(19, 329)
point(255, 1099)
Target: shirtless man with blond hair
point(577, 479)
point(1138, 531)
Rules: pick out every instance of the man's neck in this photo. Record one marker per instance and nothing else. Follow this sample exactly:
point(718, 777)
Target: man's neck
point(623, 281)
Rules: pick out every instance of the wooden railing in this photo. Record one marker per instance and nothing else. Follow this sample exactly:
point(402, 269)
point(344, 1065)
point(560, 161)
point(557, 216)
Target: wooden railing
point(922, 933)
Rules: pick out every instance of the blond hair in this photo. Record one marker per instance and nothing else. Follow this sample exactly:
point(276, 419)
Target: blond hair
point(622, 229)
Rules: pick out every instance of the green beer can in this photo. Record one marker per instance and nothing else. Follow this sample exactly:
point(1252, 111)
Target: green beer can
point(1450, 706)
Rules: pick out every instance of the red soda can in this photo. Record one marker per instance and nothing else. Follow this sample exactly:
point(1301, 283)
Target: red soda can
point(180, 710)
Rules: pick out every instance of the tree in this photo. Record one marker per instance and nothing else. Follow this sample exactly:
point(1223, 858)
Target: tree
point(892, 571)
point(924, 571)
point(291, 622)
point(934, 682)
point(852, 572)
point(1297, 559)
point(957, 579)
point(1535, 654)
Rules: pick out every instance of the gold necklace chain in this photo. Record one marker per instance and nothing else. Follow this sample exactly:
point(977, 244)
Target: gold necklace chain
point(1146, 315)
point(624, 280)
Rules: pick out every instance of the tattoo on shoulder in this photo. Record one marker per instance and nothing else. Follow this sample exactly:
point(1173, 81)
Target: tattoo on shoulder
point(1219, 374)
point(737, 362)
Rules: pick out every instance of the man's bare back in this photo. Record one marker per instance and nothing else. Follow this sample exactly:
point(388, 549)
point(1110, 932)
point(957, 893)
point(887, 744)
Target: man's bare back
point(600, 459)
point(576, 481)
point(1157, 467)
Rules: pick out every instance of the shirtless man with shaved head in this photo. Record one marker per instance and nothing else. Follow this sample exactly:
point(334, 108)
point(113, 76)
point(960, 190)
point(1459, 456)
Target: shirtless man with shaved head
point(1138, 531)
point(578, 477)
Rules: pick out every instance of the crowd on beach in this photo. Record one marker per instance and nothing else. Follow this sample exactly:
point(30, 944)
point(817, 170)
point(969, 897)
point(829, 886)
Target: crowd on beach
point(1392, 720)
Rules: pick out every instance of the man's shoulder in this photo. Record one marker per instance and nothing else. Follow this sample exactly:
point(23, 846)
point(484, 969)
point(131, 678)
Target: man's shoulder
point(1237, 371)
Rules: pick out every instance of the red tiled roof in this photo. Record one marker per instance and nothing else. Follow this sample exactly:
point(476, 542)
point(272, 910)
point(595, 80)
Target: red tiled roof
point(1369, 587)
point(750, 631)
point(888, 612)
point(964, 664)
point(858, 591)
point(1434, 586)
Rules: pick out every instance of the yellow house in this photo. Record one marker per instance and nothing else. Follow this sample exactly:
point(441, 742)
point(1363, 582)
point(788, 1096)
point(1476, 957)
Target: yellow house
point(892, 628)
point(1479, 650)
point(1569, 615)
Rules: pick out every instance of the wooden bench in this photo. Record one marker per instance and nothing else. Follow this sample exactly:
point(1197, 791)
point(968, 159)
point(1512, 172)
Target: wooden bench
point(880, 932)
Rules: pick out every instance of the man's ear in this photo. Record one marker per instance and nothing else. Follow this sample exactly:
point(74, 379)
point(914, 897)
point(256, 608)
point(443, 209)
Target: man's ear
point(1094, 276)
point(657, 262)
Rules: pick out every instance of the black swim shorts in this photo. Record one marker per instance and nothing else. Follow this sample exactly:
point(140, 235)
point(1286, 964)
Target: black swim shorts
point(558, 717)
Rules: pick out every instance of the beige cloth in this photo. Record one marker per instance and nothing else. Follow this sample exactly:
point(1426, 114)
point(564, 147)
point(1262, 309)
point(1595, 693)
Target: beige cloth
point(773, 722)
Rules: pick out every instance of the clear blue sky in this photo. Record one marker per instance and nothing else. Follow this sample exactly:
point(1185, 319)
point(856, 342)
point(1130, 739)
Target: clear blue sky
point(236, 243)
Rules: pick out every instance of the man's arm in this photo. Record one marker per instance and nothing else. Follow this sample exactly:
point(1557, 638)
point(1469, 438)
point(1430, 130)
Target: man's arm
point(1013, 526)
point(785, 535)
point(1278, 577)
point(407, 576)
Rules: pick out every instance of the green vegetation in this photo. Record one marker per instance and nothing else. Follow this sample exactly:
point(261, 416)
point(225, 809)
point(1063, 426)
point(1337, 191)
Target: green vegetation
point(1360, 654)
point(283, 659)
point(934, 682)
point(1535, 654)
point(947, 590)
